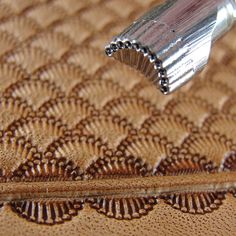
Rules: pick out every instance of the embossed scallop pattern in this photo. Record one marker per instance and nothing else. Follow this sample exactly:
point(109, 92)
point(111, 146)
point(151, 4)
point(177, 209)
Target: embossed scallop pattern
point(56, 44)
point(115, 5)
point(149, 92)
point(136, 110)
point(229, 164)
point(20, 27)
point(82, 149)
point(119, 73)
point(229, 106)
point(207, 89)
point(98, 92)
point(213, 145)
point(70, 110)
point(46, 14)
point(29, 59)
point(9, 75)
point(34, 92)
point(68, 75)
point(114, 125)
point(5, 11)
point(222, 124)
point(75, 28)
point(21, 6)
point(111, 129)
point(192, 202)
point(120, 208)
point(105, 15)
point(221, 74)
point(72, 6)
point(15, 151)
point(13, 109)
point(194, 108)
point(151, 148)
point(176, 128)
point(7, 41)
point(41, 130)
point(47, 211)
point(90, 59)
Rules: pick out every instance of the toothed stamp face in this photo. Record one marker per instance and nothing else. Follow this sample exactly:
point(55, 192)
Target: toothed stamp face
point(71, 115)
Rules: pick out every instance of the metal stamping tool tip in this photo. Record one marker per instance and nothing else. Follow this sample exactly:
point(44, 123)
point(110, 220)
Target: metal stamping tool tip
point(172, 42)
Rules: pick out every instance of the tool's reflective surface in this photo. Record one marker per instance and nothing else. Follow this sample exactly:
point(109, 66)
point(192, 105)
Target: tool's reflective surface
point(88, 146)
point(172, 42)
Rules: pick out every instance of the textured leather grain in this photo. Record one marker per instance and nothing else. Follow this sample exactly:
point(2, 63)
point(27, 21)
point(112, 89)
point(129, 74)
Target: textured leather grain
point(67, 111)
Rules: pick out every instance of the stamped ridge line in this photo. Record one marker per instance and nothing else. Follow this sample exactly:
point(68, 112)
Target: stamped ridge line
point(117, 187)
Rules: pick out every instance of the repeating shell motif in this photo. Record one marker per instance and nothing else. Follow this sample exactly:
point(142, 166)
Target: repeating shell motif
point(191, 202)
point(34, 92)
point(47, 211)
point(68, 75)
point(41, 130)
point(136, 110)
point(118, 167)
point(67, 112)
point(151, 148)
point(82, 149)
point(229, 164)
point(15, 151)
point(111, 129)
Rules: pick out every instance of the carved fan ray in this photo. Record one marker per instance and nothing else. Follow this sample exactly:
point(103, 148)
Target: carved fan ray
point(120, 167)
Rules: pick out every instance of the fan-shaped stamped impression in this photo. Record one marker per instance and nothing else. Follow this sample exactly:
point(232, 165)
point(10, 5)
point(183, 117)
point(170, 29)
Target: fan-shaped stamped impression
point(135, 110)
point(190, 202)
point(120, 208)
point(151, 148)
point(111, 129)
point(41, 130)
point(81, 149)
point(35, 92)
point(69, 110)
point(229, 164)
point(13, 151)
point(47, 211)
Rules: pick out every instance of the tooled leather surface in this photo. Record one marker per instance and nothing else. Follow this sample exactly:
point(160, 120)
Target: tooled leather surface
point(63, 100)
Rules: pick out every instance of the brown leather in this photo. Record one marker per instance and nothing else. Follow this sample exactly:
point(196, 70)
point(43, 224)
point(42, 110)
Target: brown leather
point(69, 113)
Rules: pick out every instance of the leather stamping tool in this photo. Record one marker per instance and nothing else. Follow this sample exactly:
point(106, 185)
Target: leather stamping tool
point(172, 42)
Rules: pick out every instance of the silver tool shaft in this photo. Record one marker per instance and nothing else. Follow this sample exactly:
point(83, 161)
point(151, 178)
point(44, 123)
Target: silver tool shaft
point(172, 42)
